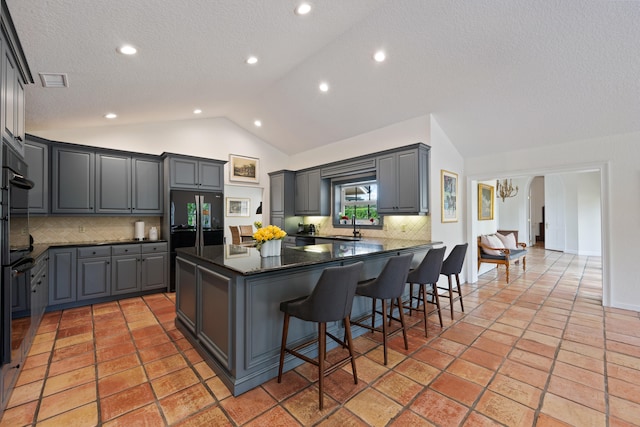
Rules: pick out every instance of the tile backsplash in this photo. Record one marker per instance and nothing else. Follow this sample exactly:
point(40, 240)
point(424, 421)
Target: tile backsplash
point(410, 227)
point(78, 229)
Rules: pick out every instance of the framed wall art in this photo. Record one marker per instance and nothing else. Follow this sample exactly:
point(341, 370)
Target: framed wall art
point(449, 195)
point(237, 207)
point(244, 169)
point(486, 197)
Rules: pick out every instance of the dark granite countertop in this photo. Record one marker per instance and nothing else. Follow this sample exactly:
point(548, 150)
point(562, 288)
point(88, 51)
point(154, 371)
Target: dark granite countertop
point(246, 260)
point(39, 249)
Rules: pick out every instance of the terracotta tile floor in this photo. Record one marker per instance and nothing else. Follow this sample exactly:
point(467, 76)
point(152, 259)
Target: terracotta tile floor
point(539, 351)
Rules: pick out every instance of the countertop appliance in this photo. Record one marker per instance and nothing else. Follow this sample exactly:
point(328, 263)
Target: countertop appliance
point(16, 257)
point(197, 218)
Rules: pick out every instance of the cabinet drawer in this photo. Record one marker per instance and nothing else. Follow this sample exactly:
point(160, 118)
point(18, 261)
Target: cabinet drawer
point(125, 249)
point(154, 247)
point(94, 251)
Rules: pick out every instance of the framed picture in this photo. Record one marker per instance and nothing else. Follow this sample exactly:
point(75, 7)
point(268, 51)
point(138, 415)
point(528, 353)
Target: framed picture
point(244, 169)
point(449, 194)
point(486, 196)
point(238, 207)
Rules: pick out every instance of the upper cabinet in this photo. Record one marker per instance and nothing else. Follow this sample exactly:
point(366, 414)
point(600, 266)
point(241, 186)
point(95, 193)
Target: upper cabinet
point(196, 174)
point(403, 181)
point(14, 73)
point(311, 193)
point(113, 183)
point(146, 188)
point(72, 180)
point(281, 190)
point(36, 155)
point(84, 181)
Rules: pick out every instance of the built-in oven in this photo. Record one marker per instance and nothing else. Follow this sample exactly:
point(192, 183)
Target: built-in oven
point(15, 253)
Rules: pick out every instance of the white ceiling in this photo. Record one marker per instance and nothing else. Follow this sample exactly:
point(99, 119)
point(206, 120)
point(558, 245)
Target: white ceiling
point(497, 74)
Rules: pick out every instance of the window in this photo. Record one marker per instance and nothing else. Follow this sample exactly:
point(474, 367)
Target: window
point(356, 198)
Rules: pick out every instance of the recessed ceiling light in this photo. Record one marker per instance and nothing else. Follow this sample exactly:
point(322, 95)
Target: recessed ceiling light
point(258, 123)
point(127, 49)
point(252, 60)
point(380, 56)
point(303, 9)
point(197, 111)
point(324, 86)
point(110, 115)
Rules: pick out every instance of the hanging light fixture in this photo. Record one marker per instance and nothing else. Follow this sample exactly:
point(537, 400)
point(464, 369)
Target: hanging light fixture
point(505, 189)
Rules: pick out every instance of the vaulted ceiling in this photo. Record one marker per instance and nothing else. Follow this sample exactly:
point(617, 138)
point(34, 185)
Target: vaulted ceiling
point(497, 74)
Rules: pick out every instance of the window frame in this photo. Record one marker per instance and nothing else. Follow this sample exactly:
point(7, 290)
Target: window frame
point(336, 196)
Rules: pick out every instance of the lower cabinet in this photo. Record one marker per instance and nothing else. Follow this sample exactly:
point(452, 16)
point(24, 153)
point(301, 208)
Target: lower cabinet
point(153, 273)
point(92, 272)
point(62, 275)
point(125, 269)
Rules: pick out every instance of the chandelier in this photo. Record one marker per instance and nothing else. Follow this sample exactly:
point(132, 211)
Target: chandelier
point(506, 189)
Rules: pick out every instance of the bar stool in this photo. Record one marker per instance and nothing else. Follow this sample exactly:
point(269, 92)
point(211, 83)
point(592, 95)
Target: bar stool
point(389, 285)
point(426, 275)
point(330, 301)
point(452, 266)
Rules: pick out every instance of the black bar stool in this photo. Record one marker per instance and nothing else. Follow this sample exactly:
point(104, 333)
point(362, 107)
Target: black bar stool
point(426, 275)
point(389, 285)
point(330, 301)
point(452, 266)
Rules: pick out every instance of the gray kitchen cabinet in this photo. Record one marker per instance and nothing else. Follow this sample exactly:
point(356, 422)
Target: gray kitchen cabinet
point(125, 269)
point(128, 185)
point(186, 293)
point(196, 174)
point(94, 272)
point(311, 193)
point(113, 183)
point(39, 290)
point(153, 273)
point(403, 181)
point(62, 275)
point(72, 186)
point(36, 155)
point(12, 100)
point(147, 186)
point(282, 204)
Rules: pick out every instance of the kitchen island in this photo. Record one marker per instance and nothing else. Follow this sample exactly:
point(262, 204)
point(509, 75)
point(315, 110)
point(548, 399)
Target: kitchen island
point(228, 299)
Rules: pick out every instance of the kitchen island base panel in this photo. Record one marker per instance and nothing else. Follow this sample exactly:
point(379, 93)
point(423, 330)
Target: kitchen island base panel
point(233, 320)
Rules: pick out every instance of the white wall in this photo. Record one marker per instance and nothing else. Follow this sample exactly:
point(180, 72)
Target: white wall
point(444, 155)
point(513, 212)
point(616, 157)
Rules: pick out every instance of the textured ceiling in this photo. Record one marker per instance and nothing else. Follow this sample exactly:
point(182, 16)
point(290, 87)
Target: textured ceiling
point(497, 74)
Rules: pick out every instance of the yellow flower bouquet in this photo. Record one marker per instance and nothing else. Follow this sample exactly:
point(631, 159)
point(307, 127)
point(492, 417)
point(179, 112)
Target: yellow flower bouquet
point(265, 234)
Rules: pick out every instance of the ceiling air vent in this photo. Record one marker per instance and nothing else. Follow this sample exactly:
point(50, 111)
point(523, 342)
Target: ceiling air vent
point(54, 80)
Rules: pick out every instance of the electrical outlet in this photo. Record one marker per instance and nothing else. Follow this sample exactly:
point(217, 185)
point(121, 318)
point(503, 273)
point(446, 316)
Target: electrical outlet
point(403, 228)
point(82, 230)
point(385, 227)
point(23, 231)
